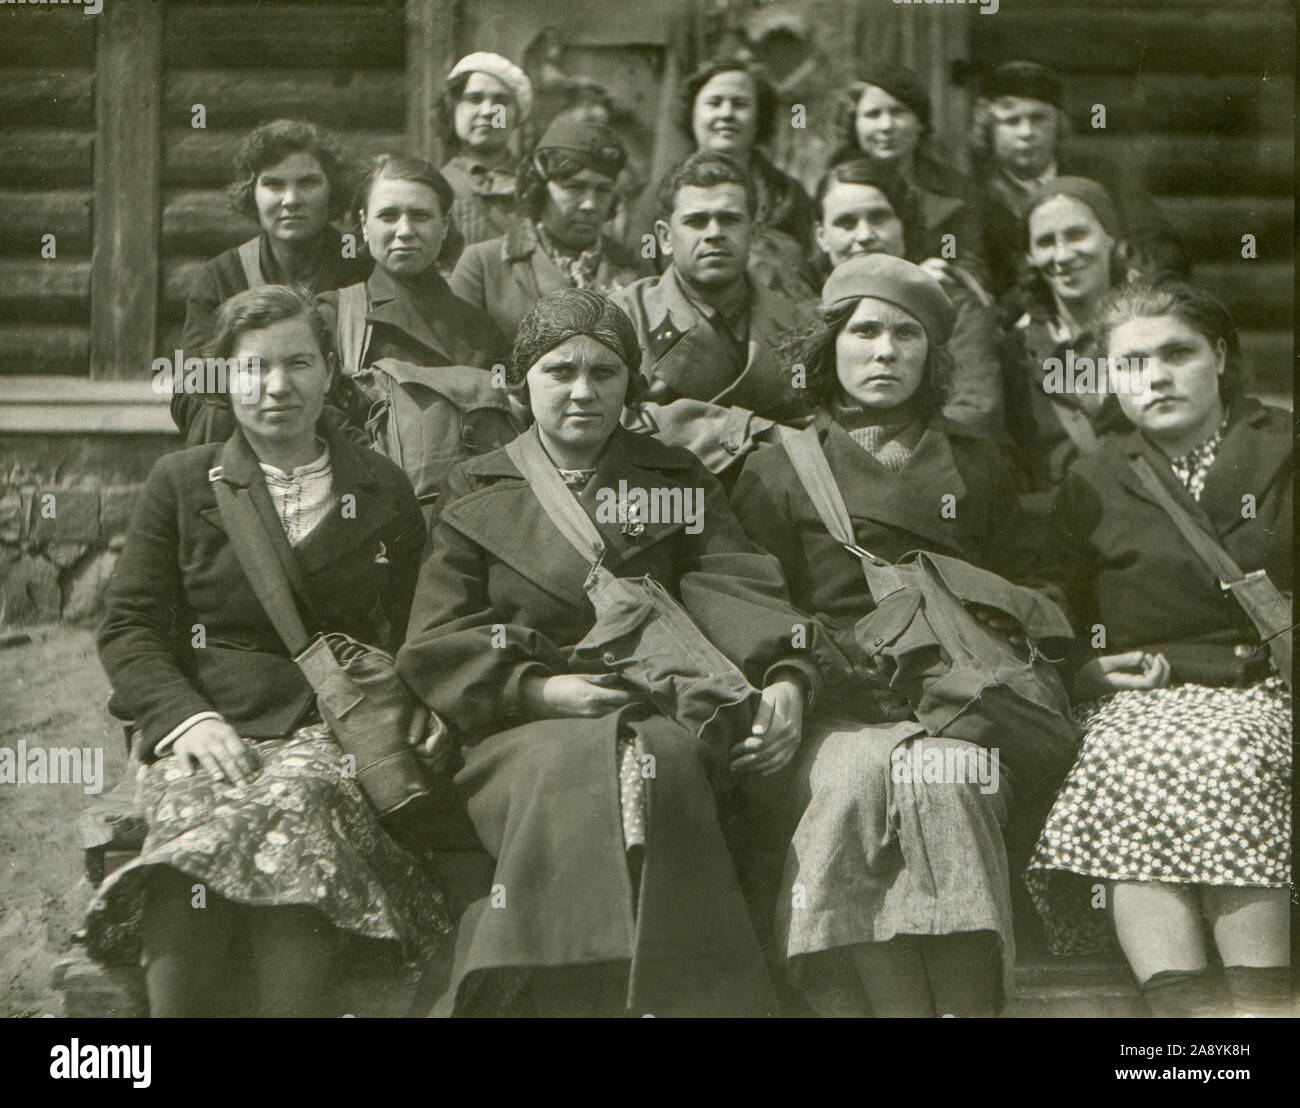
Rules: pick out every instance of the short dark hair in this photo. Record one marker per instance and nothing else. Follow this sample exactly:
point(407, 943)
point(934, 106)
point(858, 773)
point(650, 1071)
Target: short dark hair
point(563, 315)
point(1197, 307)
point(704, 169)
point(766, 92)
point(403, 167)
point(272, 142)
point(901, 196)
point(813, 347)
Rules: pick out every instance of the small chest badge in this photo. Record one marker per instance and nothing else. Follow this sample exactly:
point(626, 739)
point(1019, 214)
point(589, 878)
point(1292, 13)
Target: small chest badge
point(631, 517)
point(381, 558)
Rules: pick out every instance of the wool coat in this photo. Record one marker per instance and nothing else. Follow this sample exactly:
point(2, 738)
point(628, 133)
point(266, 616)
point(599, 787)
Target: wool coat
point(177, 576)
point(501, 598)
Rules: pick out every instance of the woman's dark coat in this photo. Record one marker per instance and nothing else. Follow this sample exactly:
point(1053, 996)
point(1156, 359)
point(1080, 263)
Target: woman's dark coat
point(1138, 578)
point(501, 598)
point(177, 574)
point(892, 515)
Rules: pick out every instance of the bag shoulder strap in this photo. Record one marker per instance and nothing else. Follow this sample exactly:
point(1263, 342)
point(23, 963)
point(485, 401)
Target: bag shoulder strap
point(353, 330)
point(1211, 553)
point(270, 584)
point(557, 501)
point(251, 263)
point(814, 473)
point(1078, 427)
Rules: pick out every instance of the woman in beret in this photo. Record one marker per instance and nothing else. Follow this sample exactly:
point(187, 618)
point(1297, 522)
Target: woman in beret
point(257, 833)
point(1178, 810)
point(566, 192)
point(609, 821)
point(896, 896)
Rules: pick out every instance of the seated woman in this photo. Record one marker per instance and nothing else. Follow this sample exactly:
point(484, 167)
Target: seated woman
point(244, 789)
point(565, 195)
point(404, 309)
point(289, 176)
point(613, 890)
point(484, 101)
point(896, 899)
point(1178, 809)
point(1076, 254)
point(865, 209)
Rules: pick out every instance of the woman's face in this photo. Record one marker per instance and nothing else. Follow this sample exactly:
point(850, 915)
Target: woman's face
point(1179, 372)
point(576, 393)
point(888, 130)
point(858, 219)
point(281, 401)
point(403, 226)
point(485, 115)
point(577, 207)
point(880, 354)
point(1070, 248)
point(293, 198)
point(725, 116)
point(1024, 135)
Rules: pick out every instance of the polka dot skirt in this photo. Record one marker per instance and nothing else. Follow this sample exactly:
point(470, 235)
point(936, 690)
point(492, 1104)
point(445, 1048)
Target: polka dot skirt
point(1188, 785)
point(631, 790)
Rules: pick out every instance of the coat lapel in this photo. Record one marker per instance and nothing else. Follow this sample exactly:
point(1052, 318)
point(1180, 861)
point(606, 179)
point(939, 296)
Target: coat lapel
point(760, 385)
point(685, 353)
point(389, 307)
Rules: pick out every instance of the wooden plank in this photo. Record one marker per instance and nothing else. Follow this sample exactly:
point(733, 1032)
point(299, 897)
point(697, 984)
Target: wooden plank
point(45, 159)
point(46, 98)
point(430, 54)
point(1183, 103)
point(1181, 165)
point(29, 215)
point(365, 101)
point(204, 159)
point(46, 36)
point(323, 36)
point(201, 223)
point(45, 290)
point(1259, 295)
point(1212, 226)
point(124, 280)
point(55, 348)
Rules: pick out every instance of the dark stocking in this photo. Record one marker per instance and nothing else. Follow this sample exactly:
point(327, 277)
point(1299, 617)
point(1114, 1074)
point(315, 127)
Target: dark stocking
point(184, 947)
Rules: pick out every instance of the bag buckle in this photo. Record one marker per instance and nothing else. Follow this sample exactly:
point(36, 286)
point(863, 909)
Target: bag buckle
point(214, 474)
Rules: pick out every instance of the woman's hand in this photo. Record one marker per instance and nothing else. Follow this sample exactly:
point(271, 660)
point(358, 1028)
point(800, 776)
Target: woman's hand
point(1000, 622)
point(431, 740)
point(213, 745)
point(776, 733)
point(575, 695)
point(1114, 672)
point(940, 270)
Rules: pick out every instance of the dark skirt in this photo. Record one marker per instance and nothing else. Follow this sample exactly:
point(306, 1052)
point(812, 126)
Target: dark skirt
point(544, 799)
point(300, 833)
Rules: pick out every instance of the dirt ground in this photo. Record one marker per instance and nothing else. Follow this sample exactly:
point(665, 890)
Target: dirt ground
point(52, 693)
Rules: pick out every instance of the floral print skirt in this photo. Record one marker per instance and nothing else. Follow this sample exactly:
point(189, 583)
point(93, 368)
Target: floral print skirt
point(1187, 785)
point(301, 832)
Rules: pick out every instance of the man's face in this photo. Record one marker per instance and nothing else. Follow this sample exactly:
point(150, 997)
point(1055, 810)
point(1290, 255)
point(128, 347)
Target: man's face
point(709, 233)
point(1024, 135)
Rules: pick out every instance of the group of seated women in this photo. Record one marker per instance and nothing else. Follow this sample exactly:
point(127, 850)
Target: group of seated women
point(797, 856)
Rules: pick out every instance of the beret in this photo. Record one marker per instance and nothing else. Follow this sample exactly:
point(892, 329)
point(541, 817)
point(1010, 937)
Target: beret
point(902, 84)
point(505, 71)
point(1086, 191)
point(591, 144)
point(1027, 79)
point(897, 282)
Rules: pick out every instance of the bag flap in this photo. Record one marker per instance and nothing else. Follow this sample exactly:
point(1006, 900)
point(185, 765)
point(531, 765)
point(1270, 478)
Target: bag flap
point(467, 387)
point(1039, 617)
point(885, 624)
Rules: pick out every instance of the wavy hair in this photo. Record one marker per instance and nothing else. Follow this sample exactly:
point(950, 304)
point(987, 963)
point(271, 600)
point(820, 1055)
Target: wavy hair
point(273, 142)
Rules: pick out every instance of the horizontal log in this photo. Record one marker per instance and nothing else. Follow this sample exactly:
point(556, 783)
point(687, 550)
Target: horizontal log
point(29, 215)
point(47, 98)
point(1203, 165)
point(201, 224)
point(51, 291)
point(39, 158)
point(1268, 363)
point(1260, 296)
point(374, 100)
point(1223, 39)
point(204, 159)
point(315, 36)
point(1213, 226)
point(44, 348)
point(1183, 103)
point(46, 36)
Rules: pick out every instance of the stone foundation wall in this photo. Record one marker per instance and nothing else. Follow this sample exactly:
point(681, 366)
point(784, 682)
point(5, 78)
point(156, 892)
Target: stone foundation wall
point(65, 504)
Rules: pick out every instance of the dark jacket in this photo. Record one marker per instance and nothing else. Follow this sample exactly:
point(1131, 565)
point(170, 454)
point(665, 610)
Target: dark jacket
point(177, 573)
point(506, 276)
point(199, 419)
point(438, 328)
point(1139, 579)
point(892, 515)
point(784, 205)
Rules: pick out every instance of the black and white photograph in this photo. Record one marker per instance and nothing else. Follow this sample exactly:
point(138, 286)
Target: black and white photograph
point(733, 509)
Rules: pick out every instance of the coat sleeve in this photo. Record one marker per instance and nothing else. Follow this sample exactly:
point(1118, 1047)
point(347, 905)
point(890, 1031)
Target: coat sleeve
point(145, 625)
point(468, 279)
point(975, 392)
point(462, 657)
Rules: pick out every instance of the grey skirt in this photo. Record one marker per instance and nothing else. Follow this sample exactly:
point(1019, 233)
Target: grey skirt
point(900, 834)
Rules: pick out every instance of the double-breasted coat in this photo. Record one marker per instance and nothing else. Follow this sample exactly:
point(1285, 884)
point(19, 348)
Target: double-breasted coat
point(1138, 578)
point(184, 633)
point(500, 598)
